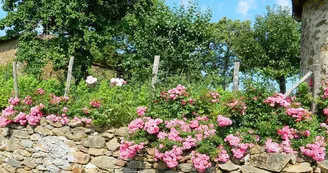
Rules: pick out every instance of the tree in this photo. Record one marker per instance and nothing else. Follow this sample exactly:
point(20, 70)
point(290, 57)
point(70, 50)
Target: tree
point(67, 28)
point(180, 36)
point(272, 46)
point(221, 63)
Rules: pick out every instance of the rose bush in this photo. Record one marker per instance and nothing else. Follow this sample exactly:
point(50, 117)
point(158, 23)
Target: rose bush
point(215, 126)
point(31, 109)
point(104, 103)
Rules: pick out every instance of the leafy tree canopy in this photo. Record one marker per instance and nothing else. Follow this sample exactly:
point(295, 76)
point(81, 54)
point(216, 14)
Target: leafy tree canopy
point(69, 28)
point(180, 36)
point(272, 46)
point(221, 63)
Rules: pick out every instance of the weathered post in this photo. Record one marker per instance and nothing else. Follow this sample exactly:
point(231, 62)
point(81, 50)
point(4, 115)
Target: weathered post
point(15, 79)
point(236, 76)
point(69, 76)
point(155, 71)
point(316, 84)
point(305, 77)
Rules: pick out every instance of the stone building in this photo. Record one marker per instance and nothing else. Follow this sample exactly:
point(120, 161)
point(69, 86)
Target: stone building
point(314, 47)
point(8, 47)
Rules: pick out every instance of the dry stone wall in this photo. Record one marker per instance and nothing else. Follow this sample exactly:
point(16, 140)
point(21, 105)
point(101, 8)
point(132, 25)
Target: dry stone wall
point(51, 147)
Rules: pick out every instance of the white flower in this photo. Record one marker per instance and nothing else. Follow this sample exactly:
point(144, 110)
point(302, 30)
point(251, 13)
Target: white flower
point(117, 82)
point(91, 80)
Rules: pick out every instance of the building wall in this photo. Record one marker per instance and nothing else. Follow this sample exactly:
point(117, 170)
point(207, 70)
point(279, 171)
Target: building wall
point(314, 47)
point(8, 50)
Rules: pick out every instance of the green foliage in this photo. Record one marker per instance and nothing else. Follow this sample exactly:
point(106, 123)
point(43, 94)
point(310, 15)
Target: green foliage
point(118, 104)
point(222, 60)
point(68, 28)
point(272, 46)
point(26, 84)
point(180, 36)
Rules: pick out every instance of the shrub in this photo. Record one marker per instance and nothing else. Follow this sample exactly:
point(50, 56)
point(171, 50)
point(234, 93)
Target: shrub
point(31, 109)
point(213, 125)
point(116, 103)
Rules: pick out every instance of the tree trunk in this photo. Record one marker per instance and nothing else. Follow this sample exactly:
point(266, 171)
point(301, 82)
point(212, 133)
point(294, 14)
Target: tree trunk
point(282, 84)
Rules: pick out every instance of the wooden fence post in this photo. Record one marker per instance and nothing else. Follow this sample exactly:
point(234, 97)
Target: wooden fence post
point(155, 71)
point(69, 76)
point(236, 76)
point(15, 79)
point(306, 76)
point(316, 84)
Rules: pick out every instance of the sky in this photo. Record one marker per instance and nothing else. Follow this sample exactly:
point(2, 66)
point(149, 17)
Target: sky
point(234, 9)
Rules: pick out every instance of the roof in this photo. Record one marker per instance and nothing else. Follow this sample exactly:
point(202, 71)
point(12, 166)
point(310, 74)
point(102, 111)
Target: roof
point(14, 37)
point(297, 9)
point(7, 38)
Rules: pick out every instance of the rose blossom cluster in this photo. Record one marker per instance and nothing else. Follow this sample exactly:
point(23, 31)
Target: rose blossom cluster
point(325, 92)
point(232, 140)
point(55, 100)
point(40, 91)
point(33, 118)
point(91, 80)
point(151, 125)
point(316, 150)
point(95, 104)
point(201, 161)
point(8, 111)
point(205, 131)
point(129, 149)
point(117, 82)
point(14, 101)
point(85, 111)
point(188, 143)
point(63, 119)
point(136, 125)
point(190, 101)
point(222, 156)
point(28, 100)
point(215, 97)
point(238, 105)
point(176, 92)
point(286, 133)
point(170, 157)
point(325, 111)
point(146, 123)
point(299, 114)
point(84, 120)
point(175, 126)
point(176, 123)
point(35, 113)
point(272, 147)
point(239, 149)
point(173, 132)
point(141, 110)
point(277, 100)
point(223, 121)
